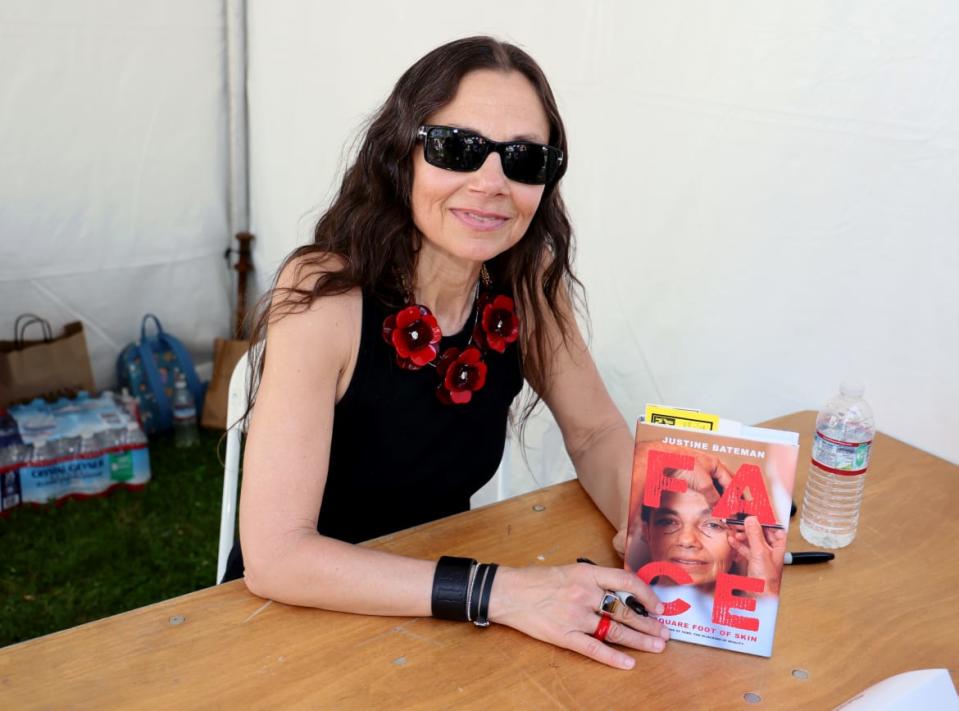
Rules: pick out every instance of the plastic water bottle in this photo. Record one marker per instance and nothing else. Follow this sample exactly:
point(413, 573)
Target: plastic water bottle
point(135, 436)
point(13, 452)
point(184, 414)
point(845, 429)
point(128, 403)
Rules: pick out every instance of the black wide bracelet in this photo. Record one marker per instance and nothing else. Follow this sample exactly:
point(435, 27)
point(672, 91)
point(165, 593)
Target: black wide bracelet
point(450, 588)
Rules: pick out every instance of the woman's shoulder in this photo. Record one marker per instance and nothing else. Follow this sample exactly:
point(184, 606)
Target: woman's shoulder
point(304, 268)
point(310, 332)
point(299, 306)
point(296, 284)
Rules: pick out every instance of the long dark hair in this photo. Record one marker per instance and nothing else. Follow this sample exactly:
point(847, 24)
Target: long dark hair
point(370, 226)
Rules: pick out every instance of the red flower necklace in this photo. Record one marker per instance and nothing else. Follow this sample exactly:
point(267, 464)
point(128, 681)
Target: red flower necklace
point(415, 336)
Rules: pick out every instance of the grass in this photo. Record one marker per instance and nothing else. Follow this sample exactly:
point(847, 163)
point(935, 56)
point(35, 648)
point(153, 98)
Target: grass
point(62, 565)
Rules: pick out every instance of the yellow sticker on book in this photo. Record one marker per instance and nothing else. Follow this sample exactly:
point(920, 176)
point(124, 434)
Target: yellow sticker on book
point(661, 415)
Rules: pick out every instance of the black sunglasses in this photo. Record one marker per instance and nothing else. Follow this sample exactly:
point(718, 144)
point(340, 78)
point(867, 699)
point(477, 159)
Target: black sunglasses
point(465, 151)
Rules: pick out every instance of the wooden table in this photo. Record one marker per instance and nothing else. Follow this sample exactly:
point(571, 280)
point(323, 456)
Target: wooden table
point(887, 604)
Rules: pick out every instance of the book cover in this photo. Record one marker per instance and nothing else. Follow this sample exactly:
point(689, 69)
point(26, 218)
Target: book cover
point(709, 512)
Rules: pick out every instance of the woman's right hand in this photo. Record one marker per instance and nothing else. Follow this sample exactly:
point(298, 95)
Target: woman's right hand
point(761, 552)
point(709, 476)
point(560, 605)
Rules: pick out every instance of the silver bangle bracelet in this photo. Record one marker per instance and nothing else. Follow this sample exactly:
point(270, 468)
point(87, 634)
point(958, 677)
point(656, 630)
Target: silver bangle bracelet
point(469, 590)
point(486, 589)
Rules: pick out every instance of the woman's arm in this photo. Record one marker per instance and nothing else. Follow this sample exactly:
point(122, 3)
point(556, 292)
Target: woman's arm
point(309, 359)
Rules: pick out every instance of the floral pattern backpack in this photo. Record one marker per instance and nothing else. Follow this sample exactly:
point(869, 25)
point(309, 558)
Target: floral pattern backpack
point(149, 368)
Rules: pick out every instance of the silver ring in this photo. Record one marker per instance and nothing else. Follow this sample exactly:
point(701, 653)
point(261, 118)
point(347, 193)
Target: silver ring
point(610, 604)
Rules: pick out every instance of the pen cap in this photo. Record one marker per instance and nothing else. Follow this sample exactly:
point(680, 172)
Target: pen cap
point(851, 389)
point(847, 417)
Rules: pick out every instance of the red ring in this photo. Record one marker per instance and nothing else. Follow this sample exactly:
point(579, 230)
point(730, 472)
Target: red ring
point(602, 629)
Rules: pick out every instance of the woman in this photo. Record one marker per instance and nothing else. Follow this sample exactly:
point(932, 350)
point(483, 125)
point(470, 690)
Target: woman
point(369, 418)
point(683, 532)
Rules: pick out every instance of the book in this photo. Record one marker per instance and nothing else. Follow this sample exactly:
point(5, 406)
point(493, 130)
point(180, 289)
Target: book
point(708, 517)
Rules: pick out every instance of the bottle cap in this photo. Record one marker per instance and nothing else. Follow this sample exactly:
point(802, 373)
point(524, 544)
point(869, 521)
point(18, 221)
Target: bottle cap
point(851, 388)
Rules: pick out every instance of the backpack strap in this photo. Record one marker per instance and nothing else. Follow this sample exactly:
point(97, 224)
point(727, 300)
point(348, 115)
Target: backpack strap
point(155, 384)
point(186, 367)
point(143, 326)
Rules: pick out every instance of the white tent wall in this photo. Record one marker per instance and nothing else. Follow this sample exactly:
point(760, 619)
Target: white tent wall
point(763, 192)
point(113, 193)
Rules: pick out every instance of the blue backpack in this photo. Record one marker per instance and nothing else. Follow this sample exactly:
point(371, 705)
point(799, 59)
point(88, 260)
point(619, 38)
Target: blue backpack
point(149, 369)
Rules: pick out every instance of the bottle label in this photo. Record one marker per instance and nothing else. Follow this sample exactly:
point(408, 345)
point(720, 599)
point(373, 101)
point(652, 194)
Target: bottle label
point(121, 466)
point(838, 457)
point(184, 413)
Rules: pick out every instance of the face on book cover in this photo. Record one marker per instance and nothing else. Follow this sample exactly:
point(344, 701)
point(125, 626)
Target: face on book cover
point(683, 531)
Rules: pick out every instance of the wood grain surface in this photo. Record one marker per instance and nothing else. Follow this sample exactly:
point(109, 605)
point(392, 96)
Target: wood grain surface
point(889, 603)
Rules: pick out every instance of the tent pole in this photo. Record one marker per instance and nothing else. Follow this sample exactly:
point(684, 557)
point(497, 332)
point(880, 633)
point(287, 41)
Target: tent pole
point(236, 66)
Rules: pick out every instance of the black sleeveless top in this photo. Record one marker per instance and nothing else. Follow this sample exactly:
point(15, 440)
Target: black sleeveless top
point(399, 457)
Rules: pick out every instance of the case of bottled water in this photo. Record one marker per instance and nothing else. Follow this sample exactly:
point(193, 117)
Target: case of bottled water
point(82, 446)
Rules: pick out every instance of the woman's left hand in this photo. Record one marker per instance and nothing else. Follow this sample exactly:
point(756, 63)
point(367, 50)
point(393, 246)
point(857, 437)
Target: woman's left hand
point(762, 552)
point(560, 605)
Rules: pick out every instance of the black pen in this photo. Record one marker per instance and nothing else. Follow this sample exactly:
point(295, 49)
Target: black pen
point(805, 557)
point(626, 598)
point(742, 522)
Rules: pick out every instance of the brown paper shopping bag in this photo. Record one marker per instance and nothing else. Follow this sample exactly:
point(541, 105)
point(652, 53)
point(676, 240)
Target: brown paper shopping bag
point(226, 353)
point(44, 368)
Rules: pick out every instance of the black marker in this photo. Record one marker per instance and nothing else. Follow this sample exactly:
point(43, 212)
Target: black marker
point(626, 598)
point(742, 522)
point(805, 557)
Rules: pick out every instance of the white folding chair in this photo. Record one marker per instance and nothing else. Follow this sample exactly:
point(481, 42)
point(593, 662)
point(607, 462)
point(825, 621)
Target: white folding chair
point(236, 424)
